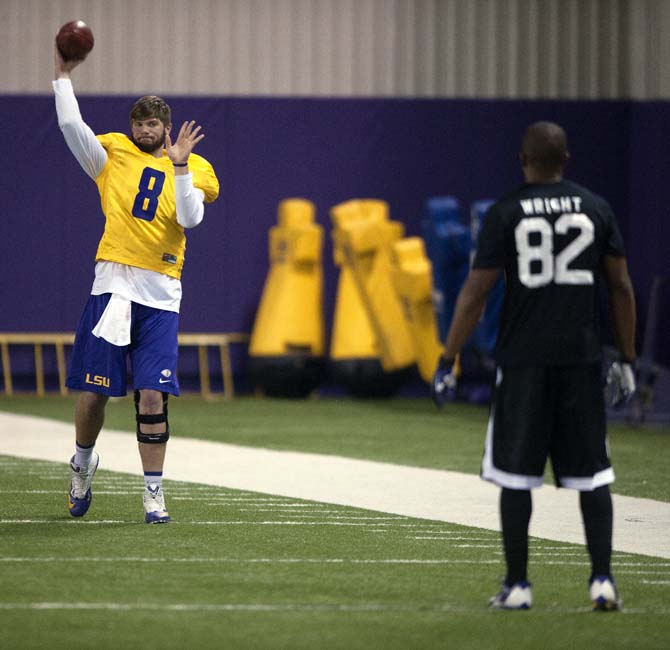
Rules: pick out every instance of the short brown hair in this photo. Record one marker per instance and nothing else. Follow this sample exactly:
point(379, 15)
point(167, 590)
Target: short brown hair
point(151, 106)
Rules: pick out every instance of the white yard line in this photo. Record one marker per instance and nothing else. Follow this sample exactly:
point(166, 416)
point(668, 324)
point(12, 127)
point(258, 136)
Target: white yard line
point(661, 568)
point(641, 525)
point(440, 608)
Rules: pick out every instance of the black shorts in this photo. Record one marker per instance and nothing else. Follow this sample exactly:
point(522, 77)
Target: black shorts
point(548, 411)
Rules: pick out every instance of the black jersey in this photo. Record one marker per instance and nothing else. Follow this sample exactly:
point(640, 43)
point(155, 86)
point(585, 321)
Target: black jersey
point(550, 239)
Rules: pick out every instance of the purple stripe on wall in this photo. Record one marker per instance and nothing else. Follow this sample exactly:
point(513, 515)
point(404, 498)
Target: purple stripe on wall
point(326, 150)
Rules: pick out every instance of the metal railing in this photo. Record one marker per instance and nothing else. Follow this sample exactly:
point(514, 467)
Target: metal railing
point(203, 341)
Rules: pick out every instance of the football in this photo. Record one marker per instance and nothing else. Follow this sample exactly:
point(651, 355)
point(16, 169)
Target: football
point(74, 40)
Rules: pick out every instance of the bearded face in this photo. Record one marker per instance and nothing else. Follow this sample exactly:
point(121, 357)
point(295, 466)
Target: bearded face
point(149, 134)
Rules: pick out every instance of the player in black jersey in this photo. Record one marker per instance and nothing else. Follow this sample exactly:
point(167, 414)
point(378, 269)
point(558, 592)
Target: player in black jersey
point(554, 241)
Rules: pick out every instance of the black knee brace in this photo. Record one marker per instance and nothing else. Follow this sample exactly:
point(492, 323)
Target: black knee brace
point(154, 418)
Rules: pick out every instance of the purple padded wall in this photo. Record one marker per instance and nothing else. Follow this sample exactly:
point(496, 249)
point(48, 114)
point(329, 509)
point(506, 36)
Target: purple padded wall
point(648, 218)
point(326, 150)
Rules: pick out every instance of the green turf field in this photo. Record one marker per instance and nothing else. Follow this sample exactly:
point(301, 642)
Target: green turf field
point(255, 571)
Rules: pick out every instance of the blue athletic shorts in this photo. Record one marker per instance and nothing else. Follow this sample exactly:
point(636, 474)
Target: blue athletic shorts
point(97, 366)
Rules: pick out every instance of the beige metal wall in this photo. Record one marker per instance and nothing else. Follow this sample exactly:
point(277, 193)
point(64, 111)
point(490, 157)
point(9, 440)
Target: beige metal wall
point(432, 48)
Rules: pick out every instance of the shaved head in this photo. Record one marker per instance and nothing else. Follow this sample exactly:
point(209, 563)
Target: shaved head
point(544, 147)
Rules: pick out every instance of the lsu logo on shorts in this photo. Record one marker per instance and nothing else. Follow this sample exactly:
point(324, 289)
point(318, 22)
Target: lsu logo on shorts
point(96, 380)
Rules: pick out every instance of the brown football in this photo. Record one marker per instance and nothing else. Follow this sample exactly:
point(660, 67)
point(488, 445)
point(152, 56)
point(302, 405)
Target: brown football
point(74, 40)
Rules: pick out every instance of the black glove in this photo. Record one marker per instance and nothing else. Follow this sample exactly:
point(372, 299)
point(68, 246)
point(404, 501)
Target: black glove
point(445, 381)
point(620, 383)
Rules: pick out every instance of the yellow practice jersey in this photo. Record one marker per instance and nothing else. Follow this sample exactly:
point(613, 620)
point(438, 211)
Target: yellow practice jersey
point(137, 193)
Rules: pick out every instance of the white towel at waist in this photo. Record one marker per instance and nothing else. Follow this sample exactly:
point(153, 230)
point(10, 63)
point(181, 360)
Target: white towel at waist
point(114, 324)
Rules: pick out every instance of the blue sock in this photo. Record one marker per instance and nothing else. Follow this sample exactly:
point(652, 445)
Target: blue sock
point(153, 480)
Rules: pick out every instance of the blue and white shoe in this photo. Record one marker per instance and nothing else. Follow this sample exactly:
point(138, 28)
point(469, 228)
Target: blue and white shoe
point(518, 596)
point(604, 594)
point(154, 506)
point(81, 496)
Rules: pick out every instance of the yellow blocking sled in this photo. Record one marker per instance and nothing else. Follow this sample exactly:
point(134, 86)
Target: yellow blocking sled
point(413, 282)
point(352, 336)
point(368, 321)
point(287, 342)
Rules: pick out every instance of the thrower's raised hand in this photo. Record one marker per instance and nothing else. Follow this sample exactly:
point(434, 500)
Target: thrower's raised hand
point(189, 135)
point(620, 384)
point(445, 381)
point(61, 66)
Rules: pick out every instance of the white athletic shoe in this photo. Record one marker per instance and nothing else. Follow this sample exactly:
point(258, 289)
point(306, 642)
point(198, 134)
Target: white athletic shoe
point(518, 596)
point(604, 594)
point(80, 496)
point(154, 506)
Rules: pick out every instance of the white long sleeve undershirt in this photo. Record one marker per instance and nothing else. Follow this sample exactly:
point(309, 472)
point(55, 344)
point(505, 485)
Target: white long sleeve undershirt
point(190, 201)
